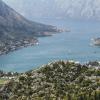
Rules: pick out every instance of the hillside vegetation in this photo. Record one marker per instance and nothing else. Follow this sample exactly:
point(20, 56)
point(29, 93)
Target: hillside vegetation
point(62, 80)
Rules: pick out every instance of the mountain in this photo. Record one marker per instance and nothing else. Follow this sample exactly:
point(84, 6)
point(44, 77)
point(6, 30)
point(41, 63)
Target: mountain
point(61, 80)
point(12, 23)
point(57, 8)
point(16, 31)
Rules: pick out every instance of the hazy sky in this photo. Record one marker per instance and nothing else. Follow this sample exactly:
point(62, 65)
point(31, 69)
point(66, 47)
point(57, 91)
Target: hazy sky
point(57, 8)
point(16, 4)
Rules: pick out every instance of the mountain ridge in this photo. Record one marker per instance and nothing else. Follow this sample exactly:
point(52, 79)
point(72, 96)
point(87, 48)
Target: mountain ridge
point(16, 31)
point(58, 8)
point(12, 19)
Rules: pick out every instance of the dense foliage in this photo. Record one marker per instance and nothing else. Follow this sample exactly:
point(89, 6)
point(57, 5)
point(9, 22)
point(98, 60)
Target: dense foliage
point(62, 80)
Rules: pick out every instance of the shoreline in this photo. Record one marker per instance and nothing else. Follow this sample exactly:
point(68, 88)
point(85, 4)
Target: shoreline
point(14, 45)
point(95, 64)
point(10, 45)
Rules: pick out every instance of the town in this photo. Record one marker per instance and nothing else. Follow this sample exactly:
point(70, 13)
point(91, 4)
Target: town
point(10, 45)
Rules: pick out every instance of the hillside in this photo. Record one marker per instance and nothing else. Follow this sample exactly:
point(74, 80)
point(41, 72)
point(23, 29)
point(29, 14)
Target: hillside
point(57, 8)
point(12, 23)
point(62, 80)
point(16, 31)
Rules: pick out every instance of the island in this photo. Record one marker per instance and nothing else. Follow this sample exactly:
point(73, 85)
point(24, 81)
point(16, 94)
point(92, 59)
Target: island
point(96, 41)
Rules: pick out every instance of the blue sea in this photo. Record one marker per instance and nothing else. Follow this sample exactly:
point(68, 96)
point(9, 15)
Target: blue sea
point(74, 45)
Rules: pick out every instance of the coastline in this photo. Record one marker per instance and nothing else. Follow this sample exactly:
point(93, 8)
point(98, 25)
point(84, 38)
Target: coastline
point(10, 45)
point(14, 45)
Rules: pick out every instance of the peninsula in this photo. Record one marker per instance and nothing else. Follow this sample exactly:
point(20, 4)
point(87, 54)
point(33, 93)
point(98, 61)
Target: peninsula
point(17, 32)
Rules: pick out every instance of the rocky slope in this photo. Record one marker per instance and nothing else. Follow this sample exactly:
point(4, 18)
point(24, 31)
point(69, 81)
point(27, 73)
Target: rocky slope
point(58, 8)
point(13, 24)
point(62, 80)
point(16, 31)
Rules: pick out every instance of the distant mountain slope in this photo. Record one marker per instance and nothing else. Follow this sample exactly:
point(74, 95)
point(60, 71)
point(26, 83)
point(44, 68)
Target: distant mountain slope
point(13, 24)
point(58, 8)
point(16, 31)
